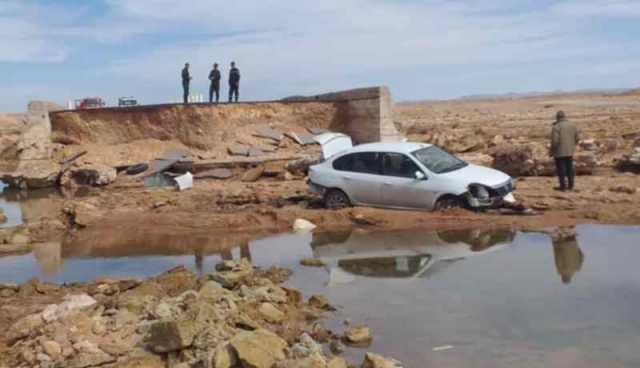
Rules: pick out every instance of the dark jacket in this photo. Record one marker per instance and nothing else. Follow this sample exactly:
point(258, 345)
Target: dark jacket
point(215, 76)
point(234, 76)
point(564, 138)
point(186, 77)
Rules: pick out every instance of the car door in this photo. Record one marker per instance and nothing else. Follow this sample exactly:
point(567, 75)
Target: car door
point(400, 187)
point(360, 175)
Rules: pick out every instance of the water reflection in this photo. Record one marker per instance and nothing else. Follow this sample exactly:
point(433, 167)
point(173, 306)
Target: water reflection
point(568, 257)
point(402, 254)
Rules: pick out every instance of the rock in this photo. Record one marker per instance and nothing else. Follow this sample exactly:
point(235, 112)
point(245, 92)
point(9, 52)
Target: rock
point(336, 347)
point(337, 362)
point(623, 189)
point(31, 174)
point(169, 336)
point(302, 225)
point(358, 335)
point(24, 327)
point(372, 360)
point(214, 174)
point(99, 327)
point(231, 273)
point(3, 217)
point(271, 313)
point(312, 262)
point(52, 349)
point(533, 160)
point(85, 214)
point(630, 162)
point(301, 165)
point(90, 359)
point(320, 302)
point(306, 347)
point(259, 348)
point(89, 175)
point(253, 174)
point(238, 150)
point(71, 303)
point(589, 145)
point(224, 357)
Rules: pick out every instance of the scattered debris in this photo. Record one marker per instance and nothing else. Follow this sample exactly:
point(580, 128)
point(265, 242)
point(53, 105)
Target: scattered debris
point(253, 174)
point(238, 150)
point(137, 169)
point(302, 226)
point(167, 160)
point(184, 182)
point(318, 131)
point(214, 174)
point(270, 133)
point(312, 262)
point(301, 138)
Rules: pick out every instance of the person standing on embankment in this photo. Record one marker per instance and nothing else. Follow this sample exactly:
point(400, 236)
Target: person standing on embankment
point(234, 82)
point(564, 138)
point(214, 77)
point(186, 79)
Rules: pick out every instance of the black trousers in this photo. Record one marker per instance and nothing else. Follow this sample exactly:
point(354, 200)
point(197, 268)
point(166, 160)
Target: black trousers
point(234, 90)
point(565, 171)
point(185, 95)
point(214, 89)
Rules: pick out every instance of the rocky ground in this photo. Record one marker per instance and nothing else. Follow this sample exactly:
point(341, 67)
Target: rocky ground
point(238, 316)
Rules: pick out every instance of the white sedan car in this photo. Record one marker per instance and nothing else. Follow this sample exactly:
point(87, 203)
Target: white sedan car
point(403, 175)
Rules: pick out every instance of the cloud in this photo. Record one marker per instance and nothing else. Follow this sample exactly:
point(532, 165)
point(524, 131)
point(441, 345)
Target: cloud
point(598, 8)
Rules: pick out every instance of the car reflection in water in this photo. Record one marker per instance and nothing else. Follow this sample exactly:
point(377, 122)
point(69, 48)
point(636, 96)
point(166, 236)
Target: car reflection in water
point(415, 254)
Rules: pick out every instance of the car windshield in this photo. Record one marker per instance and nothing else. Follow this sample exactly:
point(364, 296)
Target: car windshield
point(438, 160)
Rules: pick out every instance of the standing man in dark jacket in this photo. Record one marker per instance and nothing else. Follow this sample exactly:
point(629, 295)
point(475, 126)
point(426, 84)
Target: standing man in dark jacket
point(214, 77)
point(186, 79)
point(564, 138)
point(234, 82)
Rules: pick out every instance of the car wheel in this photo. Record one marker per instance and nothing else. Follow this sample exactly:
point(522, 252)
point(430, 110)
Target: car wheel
point(335, 199)
point(449, 202)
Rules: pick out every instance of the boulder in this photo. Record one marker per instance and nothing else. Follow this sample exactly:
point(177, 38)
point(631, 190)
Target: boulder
point(270, 313)
point(302, 225)
point(224, 357)
point(30, 174)
point(372, 360)
point(24, 327)
point(89, 175)
point(259, 348)
point(358, 335)
point(231, 273)
point(70, 304)
point(167, 336)
point(52, 349)
point(320, 302)
point(253, 174)
point(337, 362)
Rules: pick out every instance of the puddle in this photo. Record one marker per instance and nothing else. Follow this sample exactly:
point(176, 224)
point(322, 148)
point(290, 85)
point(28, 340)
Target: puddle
point(493, 298)
point(28, 206)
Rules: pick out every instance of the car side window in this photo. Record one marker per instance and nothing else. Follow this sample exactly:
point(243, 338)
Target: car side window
point(344, 163)
point(397, 164)
point(360, 162)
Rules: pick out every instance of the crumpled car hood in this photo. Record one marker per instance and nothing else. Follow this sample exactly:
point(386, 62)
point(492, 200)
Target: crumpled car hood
point(474, 174)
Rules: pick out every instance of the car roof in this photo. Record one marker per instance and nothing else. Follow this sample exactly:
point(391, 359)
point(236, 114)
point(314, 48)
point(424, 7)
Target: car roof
point(402, 147)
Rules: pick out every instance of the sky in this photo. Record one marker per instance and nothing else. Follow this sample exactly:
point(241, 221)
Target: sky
point(60, 50)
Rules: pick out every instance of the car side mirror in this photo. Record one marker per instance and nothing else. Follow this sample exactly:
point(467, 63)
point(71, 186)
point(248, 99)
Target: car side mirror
point(420, 175)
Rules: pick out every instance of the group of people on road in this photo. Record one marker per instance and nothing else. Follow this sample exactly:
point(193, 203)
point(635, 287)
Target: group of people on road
point(214, 88)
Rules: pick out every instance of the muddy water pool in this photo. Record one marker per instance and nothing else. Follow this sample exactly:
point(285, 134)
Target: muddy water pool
point(434, 299)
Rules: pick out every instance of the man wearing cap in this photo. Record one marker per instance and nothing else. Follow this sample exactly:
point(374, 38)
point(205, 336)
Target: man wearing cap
point(214, 77)
point(564, 138)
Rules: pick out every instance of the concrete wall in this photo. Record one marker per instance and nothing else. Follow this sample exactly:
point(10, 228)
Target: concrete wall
point(367, 113)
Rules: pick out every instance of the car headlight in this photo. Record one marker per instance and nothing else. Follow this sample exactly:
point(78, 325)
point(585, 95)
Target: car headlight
point(479, 191)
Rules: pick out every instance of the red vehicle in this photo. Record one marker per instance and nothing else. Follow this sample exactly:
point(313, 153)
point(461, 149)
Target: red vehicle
point(89, 103)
